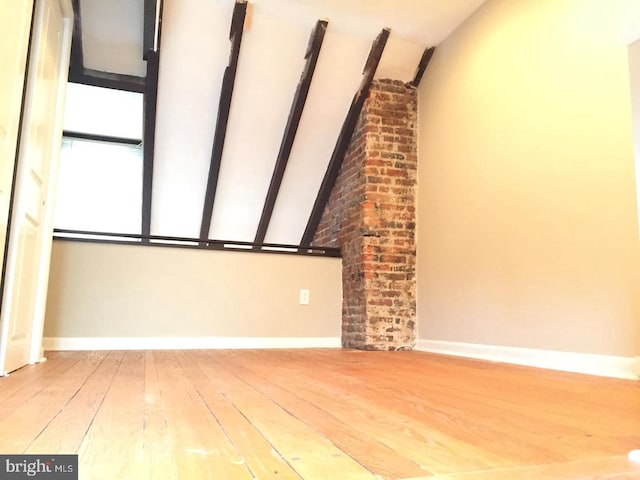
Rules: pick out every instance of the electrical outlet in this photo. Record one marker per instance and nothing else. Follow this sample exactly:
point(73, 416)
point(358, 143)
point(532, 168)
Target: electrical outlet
point(304, 296)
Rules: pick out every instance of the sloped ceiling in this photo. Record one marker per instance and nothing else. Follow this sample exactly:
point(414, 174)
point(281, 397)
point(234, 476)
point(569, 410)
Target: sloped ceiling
point(194, 54)
point(112, 36)
point(112, 30)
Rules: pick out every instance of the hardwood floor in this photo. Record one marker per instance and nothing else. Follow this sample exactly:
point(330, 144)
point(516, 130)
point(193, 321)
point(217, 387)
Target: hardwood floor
point(318, 414)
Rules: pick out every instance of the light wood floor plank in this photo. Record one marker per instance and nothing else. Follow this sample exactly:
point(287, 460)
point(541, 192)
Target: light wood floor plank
point(158, 449)
point(543, 404)
point(506, 409)
point(491, 421)
point(374, 455)
point(319, 414)
point(20, 386)
point(113, 445)
point(65, 432)
point(261, 458)
point(613, 468)
point(23, 377)
point(435, 449)
point(537, 387)
point(200, 446)
point(305, 450)
point(22, 425)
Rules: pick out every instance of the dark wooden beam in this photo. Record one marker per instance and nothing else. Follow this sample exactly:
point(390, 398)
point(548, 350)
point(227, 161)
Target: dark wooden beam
point(346, 132)
point(299, 99)
point(422, 66)
point(116, 81)
point(224, 106)
point(149, 33)
point(76, 62)
point(148, 137)
point(96, 137)
point(186, 242)
point(150, 103)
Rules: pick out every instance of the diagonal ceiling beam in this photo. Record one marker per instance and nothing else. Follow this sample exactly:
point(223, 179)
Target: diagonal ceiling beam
point(224, 106)
point(76, 63)
point(422, 66)
point(115, 81)
point(149, 33)
point(150, 102)
point(346, 132)
point(299, 99)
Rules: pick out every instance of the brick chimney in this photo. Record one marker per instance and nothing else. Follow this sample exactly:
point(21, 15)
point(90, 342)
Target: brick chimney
point(371, 217)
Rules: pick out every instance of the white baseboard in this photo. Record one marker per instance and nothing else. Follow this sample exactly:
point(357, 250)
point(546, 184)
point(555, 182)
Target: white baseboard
point(591, 364)
point(186, 343)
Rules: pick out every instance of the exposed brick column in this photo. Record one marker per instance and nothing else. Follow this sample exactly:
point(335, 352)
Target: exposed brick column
point(371, 217)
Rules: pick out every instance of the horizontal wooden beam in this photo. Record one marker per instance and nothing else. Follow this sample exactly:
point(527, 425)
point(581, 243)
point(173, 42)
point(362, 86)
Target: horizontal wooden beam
point(344, 138)
point(96, 137)
point(115, 81)
point(299, 100)
point(187, 242)
point(224, 107)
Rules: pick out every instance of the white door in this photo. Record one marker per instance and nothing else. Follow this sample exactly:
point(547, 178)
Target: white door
point(30, 233)
point(15, 24)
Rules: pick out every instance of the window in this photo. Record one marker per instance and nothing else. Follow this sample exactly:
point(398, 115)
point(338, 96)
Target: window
point(100, 176)
point(99, 186)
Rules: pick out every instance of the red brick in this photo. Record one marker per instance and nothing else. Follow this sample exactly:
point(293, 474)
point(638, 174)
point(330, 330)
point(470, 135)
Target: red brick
point(371, 217)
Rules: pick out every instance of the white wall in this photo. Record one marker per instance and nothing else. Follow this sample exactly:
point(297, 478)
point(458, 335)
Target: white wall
point(634, 75)
point(99, 290)
point(527, 221)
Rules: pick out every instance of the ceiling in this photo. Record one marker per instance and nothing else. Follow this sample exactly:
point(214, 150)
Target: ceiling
point(194, 54)
point(112, 35)
point(112, 31)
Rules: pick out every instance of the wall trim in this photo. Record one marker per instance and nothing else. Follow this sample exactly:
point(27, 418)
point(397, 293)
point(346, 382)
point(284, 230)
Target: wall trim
point(591, 364)
point(186, 343)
